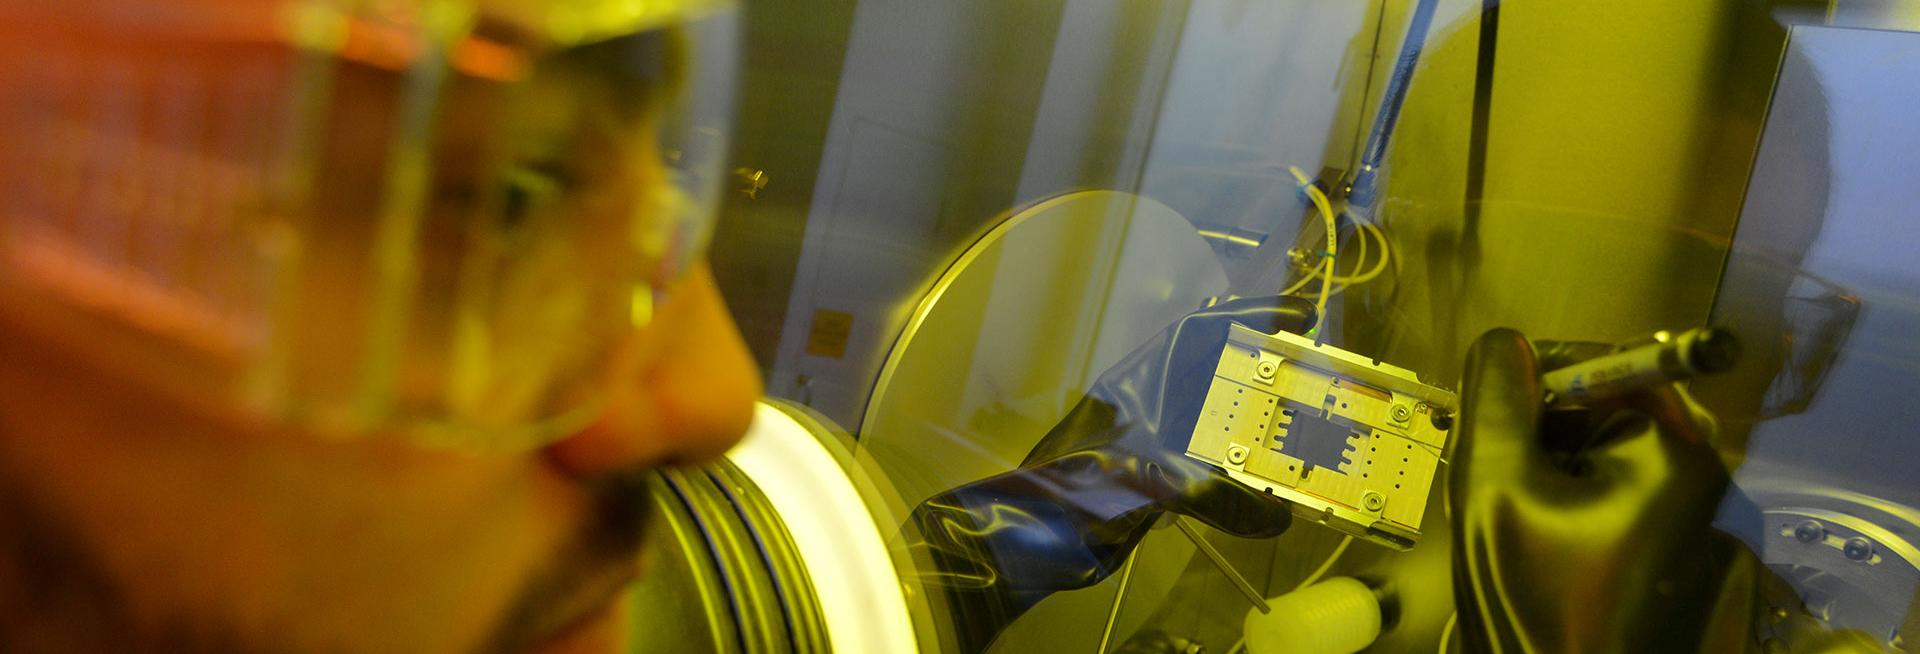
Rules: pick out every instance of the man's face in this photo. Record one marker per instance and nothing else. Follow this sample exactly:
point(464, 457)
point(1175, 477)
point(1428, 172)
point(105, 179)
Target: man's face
point(129, 519)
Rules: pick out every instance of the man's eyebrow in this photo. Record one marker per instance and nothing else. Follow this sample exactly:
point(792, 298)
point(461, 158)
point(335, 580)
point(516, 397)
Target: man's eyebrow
point(396, 48)
point(550, 167)
point(461, 159)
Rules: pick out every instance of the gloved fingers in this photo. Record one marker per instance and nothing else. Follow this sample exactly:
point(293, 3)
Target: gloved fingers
point(1579, 429)
point(1673, 409)
point(1679, 480)
point(1667, 407)
point(1665, 439)
point(1500, 408)
point(1207, 494)
point(1230, 507)
point(1060, 526)
point(1091, 421)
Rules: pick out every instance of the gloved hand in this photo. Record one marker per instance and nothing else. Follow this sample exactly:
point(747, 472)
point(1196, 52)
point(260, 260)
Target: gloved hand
point(1579, 532)
point(1093, 486)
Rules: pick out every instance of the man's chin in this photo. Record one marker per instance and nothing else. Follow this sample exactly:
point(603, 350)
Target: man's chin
point(602, 632)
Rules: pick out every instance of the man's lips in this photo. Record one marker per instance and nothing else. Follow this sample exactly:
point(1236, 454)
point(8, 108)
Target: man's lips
point(603, 632)
point(590, 612)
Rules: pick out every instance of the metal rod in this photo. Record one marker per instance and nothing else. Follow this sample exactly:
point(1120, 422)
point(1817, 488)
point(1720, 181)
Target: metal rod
point(1482, 107)
point(1221, 562)
point(1361, 191)
point(1119, 595)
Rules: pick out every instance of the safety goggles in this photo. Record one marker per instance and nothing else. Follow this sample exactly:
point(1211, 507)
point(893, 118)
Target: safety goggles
point(444, 219)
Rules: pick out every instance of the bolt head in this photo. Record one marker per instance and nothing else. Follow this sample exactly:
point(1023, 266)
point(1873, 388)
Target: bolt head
point(1858, 549)
point(1402, 412)
point(1809, 532)
point(1236, 454)
point(1373, 501)
point(1267, 368)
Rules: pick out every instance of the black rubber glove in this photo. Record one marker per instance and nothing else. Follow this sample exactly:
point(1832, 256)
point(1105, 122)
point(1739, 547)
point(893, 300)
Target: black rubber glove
point(1093, 486)
point(1599, 542)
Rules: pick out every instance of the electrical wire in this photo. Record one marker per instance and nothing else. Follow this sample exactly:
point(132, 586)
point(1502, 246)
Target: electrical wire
point(1326, 212)
point(1367, 227)
point(1332, 283)
point(1295, 288)
point(1379, 266)
point(1326, 565)
point(1446, 633)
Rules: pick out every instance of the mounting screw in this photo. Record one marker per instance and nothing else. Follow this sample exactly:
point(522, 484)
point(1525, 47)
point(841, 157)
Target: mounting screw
point(752, 181)
point(1236, 454)
point(1810, 532)
point(1266, 369)
point(1401, 412)
point(1373, 501)
point(1858, 549)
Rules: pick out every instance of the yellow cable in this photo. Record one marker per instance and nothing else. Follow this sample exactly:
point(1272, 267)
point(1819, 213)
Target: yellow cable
point(1326, 212)
point(1295, 288)
point(1327, 565)
point(1378, 266)
point(1332, 283)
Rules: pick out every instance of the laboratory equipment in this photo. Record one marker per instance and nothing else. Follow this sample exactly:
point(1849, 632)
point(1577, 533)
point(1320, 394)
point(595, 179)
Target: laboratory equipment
point(1329, 427)
point(1669, 358)
point(952, 280)
point(947, 327)
point(1341, 615)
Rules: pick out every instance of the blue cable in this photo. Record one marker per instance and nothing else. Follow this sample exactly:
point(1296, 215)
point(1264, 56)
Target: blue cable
point(1360, 194)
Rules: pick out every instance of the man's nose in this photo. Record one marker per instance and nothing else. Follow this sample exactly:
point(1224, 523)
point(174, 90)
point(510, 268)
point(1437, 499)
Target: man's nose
point(689, 399)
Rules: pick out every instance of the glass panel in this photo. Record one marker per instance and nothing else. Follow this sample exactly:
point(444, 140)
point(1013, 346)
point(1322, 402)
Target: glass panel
point(955, 220)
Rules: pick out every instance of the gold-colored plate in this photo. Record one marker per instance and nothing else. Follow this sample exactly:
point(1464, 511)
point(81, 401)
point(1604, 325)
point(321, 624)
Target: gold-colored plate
point(1274, 394)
